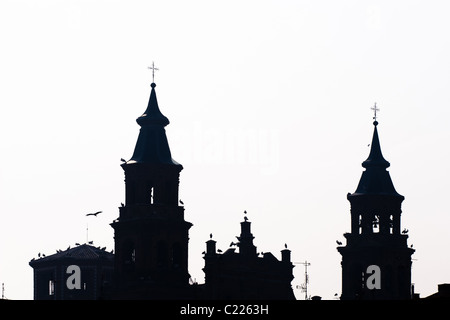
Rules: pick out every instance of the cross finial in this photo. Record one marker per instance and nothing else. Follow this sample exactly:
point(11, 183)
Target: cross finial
point(375, 109)
point(153, 71)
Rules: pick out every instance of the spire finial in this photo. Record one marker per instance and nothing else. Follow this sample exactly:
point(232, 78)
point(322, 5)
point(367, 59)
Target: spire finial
point(153, 71)
point(375, 109)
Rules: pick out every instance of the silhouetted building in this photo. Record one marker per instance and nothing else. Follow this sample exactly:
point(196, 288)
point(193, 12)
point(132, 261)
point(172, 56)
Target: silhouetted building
point(56, 277)
point(376, 261)
point(246, 274)
point(151, 235)
point(442, 294)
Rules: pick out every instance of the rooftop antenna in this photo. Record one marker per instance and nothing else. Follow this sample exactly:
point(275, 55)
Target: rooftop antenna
point(304, 286)
point(153, 71)
point(375, 109)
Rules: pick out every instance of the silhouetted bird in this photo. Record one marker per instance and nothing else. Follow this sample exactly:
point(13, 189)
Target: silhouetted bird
point(39, 254)
point(43, 255)
point(338, 242)
point(203, 252)
point(77, 244)
point(405, 231)
point(245, 218)
point(181, 202)
point(123, 160)
point(411, 246)
point(218, 250)
point(94, 214)
point(285, 245)
point(210, 235)
point(122, 205)
point(91, 242)
point(245, 211)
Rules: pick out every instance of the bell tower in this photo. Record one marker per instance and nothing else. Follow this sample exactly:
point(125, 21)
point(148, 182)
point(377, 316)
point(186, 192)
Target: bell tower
point(151, 235)
point(376, 260)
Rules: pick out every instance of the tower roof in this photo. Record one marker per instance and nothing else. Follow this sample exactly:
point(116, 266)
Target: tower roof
point(152, 114)
point(375, 180)
point(83, 252)
point(375, 158)
point(152, 145)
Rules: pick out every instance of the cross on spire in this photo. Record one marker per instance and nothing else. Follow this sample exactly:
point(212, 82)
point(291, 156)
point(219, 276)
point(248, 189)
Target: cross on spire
point(153, 71)
point(375, 109)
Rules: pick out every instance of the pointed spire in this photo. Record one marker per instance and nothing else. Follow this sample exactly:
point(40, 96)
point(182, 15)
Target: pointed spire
point(375, 179)
point(152, 145)
point(375, 158)
point(152, 115)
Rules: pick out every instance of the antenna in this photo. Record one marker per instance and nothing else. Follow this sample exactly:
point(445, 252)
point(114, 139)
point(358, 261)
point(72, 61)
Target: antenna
point(304, 286)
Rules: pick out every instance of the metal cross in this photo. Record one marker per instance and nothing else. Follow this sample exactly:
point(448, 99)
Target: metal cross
point(375, 109)
point(153, 71)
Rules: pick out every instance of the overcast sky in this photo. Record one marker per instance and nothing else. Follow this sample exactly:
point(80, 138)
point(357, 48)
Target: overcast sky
point(269, 108)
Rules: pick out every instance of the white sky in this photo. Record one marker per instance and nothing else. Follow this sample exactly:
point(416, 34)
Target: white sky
point(269, 103)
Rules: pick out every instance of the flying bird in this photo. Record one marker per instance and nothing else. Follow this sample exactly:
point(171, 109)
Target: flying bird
point(338, 242)
point(94, 214)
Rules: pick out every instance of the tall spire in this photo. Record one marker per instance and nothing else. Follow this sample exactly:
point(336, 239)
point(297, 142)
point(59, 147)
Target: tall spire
point(376, 179)
point(152, 145)
point(152, 115)
point(375, 158)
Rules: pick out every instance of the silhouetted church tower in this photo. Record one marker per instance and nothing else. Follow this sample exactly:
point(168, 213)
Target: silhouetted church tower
point(151, 235)
point(375, 238)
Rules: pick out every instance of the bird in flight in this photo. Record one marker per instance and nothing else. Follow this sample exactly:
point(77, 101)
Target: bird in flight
point(94, 214)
